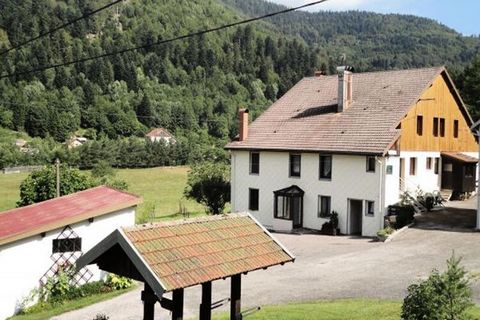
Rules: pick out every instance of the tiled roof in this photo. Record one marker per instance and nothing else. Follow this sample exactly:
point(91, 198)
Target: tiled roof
point(460, 157)
point(187, 253)
point(48, 215)
point(159, 132)
point(303, 119)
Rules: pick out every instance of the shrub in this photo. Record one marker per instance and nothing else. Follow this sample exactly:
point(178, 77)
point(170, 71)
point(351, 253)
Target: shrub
point(209, 184)
point(443, 296)
point(117, 282)
point(385, 232)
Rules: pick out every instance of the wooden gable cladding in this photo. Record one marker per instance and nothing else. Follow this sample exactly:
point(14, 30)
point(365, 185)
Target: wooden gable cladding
point(438, 101)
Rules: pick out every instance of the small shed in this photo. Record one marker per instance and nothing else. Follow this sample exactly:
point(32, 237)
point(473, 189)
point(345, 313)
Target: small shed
point(169, 257)
point(37, 240)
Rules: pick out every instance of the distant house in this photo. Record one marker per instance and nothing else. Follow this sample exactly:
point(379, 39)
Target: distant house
point(38, 239)
point(160, 134)
point(20, 143)
point(75, 142)
point(352, 143)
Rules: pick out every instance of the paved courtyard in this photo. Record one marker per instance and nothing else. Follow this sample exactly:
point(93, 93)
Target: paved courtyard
point(330, 268)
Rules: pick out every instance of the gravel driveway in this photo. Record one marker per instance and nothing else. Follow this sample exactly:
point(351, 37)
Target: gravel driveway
point(327, 268)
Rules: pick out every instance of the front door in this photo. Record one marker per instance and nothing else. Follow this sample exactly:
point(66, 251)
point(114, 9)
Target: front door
point(355, 210)
point(296, 211)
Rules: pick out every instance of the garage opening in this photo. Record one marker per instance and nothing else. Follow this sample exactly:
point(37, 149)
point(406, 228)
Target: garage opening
point(355, 209)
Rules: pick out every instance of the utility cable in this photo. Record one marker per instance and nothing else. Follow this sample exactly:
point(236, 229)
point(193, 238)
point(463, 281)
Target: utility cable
point(165, 41)
point(63, 26)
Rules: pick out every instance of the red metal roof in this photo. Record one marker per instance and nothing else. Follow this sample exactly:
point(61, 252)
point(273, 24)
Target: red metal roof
point(48, 215)
point(186, 253)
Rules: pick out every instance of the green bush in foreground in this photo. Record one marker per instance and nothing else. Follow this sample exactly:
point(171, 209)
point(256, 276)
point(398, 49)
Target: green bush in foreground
point(443, 296)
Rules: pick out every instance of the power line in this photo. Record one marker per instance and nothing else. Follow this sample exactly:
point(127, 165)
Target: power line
point(61, 26)
point(161, 42)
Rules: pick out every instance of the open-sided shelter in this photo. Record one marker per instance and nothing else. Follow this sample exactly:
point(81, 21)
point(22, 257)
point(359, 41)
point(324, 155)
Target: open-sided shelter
point(169, 257)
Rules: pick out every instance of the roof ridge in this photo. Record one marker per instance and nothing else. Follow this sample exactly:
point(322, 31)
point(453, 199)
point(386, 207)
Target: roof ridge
point(162, 224)
point(440, 67)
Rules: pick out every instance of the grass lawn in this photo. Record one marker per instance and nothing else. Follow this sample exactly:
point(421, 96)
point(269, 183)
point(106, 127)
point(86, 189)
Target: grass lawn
point(355, 309)
point(162, 191)
point(71, 305)
point(10, 189)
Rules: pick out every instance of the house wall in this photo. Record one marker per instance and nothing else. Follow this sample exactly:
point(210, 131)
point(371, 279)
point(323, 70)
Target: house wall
point(437, 101)
point(349, 181)
point(24, 262)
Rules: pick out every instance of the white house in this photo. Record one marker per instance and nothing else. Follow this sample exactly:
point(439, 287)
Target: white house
point(35, 240)
point(160, 134)
point(352, 143)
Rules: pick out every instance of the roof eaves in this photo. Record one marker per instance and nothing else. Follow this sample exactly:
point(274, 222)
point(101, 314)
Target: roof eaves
point(272, 237)
point(150, 277)
point(68, 221)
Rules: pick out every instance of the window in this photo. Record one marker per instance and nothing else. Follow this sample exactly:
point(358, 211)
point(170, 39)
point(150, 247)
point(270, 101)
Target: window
point(254, 163)
point(370, 164)
point(253, 199)
point(67, 245)
point(324, 208)
point(455, 128)
point(420, 125)
point(413, 166)
point(435, 127)
point(295, 165)
point(469, 171)
point(429, 163)
point(369, 208)
point(442, 127)
point(283, 207)
point(325, 167)
point(436, 165)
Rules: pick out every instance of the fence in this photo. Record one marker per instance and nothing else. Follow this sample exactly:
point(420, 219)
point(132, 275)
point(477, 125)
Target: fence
point(20, 169)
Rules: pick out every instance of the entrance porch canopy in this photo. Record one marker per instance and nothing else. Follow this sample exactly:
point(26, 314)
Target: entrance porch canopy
point(176, 255)
point(460, 157)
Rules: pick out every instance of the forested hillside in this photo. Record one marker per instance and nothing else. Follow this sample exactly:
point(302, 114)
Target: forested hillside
point(193, 87)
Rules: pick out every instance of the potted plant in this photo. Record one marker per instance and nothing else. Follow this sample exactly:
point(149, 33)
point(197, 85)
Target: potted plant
point(383, 234)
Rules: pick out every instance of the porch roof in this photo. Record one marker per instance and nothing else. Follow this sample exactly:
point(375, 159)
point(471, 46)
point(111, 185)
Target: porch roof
point(460, 157)
point(180, 254)
point(292, 191)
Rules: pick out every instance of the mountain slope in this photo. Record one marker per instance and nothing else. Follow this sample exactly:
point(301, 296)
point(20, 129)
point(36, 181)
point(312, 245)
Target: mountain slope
point(192, 87)
point(371, 41)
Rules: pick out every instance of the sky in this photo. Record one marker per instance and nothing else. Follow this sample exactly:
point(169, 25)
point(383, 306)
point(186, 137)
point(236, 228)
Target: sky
point(461, 15)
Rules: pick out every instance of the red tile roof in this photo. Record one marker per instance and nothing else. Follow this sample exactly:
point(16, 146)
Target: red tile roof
point(159, 132)
point(186, 253)
point(303, 119)
point(48, 215)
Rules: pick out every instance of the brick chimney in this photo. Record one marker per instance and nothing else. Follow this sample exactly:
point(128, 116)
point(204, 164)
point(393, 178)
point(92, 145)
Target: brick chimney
point(243, 127)
point(345, 87)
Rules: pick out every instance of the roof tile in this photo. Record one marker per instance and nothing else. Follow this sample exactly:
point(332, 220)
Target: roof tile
point(203, 250)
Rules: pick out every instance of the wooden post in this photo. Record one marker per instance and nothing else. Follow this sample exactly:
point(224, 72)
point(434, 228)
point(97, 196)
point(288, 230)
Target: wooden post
point(206, 306)
point(235, 296)
point(177, 298)
point(149, 299)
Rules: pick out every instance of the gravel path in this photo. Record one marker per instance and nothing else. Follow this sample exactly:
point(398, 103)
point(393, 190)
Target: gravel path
point(326, 268)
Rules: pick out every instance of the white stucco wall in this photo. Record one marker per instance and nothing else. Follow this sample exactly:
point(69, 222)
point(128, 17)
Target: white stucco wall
point(349, 181)
point(24, 262)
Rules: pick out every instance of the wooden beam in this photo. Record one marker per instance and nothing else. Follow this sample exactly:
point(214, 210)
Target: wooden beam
point(177, 298)
point(235, 297)
point(149, 299)
point(206, 305)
